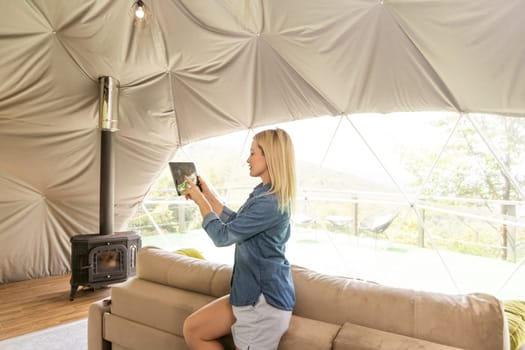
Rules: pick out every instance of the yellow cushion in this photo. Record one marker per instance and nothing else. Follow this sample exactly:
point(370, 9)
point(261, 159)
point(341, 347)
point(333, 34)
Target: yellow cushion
point(515, 311)
point(194, 253)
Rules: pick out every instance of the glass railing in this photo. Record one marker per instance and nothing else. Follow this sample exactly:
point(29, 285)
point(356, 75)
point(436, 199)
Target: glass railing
point(450, 245)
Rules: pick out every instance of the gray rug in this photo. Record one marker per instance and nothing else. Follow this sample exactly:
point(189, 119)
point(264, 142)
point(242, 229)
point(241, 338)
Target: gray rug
point(69, 336)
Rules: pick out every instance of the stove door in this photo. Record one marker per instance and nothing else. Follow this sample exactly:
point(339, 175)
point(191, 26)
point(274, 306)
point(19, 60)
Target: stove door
point(108, 263)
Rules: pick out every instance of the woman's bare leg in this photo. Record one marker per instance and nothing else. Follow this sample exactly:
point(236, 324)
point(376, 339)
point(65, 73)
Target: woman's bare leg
point(203, 327)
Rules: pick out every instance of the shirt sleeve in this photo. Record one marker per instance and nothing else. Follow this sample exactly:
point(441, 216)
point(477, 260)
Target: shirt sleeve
point(256, 216)
point(227, 214)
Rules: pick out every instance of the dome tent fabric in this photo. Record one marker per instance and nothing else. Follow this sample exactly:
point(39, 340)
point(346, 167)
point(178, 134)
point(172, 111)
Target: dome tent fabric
point(200, 69)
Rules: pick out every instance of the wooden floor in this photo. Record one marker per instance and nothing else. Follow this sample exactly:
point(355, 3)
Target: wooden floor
point(32, 305)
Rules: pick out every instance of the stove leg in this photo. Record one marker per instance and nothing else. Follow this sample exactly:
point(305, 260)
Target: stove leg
point(73, 291)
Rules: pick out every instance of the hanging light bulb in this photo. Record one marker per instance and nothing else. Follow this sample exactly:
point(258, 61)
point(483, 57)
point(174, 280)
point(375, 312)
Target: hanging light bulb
point(140, 13)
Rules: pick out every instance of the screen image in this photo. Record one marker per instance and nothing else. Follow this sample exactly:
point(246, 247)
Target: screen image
point(179, 170)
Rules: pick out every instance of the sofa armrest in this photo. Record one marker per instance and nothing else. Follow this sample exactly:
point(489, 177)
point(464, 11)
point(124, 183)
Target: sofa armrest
point(355, 337)
point(307, 334)
point(96, 339)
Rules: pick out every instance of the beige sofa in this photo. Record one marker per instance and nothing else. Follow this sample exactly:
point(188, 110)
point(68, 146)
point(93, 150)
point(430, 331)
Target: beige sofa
point(148, 311)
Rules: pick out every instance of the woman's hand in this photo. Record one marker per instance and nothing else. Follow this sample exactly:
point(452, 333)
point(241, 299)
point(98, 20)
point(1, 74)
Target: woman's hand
point(210, 195)
point(194, 193)
point(203, 186)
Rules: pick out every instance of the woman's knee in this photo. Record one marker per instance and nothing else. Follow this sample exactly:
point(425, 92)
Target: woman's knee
point(189, 328)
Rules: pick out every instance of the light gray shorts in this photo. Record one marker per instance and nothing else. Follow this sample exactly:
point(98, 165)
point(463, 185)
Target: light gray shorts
point(259, 326)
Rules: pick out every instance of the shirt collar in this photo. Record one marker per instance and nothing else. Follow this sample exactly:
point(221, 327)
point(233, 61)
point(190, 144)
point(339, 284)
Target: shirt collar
point(261, 188)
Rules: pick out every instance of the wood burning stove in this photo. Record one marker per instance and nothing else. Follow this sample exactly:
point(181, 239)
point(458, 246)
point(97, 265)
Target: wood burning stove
point(107, 257)
point(99, 260)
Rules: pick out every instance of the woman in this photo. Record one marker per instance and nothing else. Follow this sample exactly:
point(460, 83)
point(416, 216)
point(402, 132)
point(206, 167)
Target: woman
point(258, 310)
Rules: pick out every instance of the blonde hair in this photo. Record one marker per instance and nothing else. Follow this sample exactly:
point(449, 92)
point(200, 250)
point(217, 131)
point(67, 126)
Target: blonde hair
point(279, 153)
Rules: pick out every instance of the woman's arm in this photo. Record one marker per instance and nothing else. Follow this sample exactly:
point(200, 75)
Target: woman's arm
point(216, 205)
point(258, 214)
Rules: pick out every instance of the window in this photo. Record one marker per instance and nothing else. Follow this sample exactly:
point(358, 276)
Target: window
point(430, 201)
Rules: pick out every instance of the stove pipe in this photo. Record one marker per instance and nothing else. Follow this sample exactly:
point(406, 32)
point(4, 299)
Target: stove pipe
point(108, 121)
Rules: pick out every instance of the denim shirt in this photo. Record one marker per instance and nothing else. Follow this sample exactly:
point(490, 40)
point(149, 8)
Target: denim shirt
point(259, 231)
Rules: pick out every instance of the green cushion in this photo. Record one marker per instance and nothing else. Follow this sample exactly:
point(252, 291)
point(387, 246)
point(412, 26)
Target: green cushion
point(515, 312)
point(194, 253)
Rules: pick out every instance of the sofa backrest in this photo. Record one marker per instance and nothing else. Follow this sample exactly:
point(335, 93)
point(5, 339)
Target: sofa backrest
point(473, 321)
point(180, 271)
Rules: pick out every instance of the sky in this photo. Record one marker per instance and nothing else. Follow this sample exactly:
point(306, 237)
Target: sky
point(337, 142)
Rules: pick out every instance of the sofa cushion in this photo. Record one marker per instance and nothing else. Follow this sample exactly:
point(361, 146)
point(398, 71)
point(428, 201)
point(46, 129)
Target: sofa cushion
point(159, 306)
point(134, 335)
point(306, 334)
point(197, 275)
point(355, 337)
point(118, 347)
point(473, 321)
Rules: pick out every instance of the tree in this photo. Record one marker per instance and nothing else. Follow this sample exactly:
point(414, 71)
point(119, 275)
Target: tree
point(483, 159)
